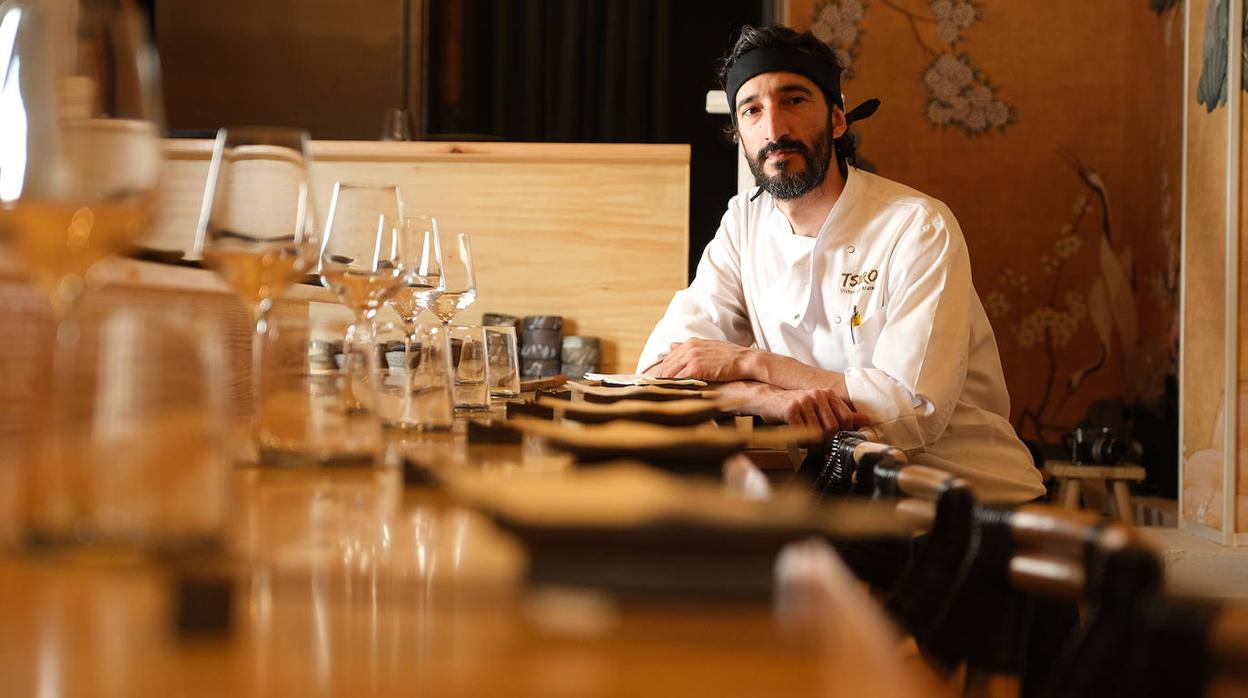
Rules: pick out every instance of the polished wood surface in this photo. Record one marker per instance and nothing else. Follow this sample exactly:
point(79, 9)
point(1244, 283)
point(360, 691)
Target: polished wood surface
point(349, 583)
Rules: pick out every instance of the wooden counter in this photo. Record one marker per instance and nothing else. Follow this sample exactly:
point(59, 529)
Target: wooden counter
point(347, 583)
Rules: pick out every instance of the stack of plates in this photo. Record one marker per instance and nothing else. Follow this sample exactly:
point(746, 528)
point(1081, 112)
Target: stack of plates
point(617, 379)
point(701, 449)
point(630, 529)
point(541, 343)
point(581, 355)
point(612, 393)
point(673, 413)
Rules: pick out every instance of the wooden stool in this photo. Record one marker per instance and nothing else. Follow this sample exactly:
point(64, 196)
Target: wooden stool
point(1070, 479)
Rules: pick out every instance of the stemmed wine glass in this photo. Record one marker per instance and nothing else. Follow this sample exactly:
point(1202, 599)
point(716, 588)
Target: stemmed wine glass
point(360, 260)
point(421, 252)
point(80, 129)
point(458, 277)
point(256, 227)
point(80, 159)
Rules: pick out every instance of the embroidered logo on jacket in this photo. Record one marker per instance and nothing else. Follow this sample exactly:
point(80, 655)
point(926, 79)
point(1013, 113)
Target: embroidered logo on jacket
point(857, 282)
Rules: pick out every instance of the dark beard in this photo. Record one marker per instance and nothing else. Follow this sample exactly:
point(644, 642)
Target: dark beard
point(787, 185)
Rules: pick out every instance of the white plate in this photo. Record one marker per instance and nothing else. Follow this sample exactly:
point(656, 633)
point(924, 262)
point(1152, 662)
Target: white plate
point(642, 379)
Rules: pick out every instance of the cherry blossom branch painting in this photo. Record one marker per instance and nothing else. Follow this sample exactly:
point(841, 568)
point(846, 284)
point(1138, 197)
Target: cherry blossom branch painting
point(958, 94)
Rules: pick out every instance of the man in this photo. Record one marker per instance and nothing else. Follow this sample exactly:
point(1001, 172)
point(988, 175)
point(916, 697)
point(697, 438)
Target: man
point(836, 298)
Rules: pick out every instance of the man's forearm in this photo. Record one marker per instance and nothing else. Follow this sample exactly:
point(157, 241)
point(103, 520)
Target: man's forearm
point(746, 395)
point(810, 406)
point(790, 374)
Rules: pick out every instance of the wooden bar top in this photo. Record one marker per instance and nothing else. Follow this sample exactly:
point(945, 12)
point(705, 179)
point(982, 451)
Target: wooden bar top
point(346, 582)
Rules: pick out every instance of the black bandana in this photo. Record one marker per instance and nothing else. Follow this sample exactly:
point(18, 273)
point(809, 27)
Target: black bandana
point(774, 59)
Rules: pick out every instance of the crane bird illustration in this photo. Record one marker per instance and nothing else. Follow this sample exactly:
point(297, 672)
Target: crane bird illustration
point(1111, 300)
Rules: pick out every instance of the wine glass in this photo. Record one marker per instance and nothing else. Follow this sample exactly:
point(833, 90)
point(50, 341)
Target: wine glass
point(459, 279)
point(360, 259)
point(80, 159)
point(80, 138)
point(144, 461)
point(256, 225)
point(421, 252)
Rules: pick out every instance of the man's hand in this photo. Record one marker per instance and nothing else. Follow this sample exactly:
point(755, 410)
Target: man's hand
point(717, 361)
point(710, 360)
point(821, 408)
point(813, 407)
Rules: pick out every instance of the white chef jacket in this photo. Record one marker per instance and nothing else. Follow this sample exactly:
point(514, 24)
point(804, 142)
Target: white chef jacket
point(922, 363)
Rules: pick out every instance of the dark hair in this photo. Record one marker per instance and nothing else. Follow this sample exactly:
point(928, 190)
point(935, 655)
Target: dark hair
point(779, 35)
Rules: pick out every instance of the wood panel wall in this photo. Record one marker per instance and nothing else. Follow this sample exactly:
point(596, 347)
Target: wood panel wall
point(595, 233)
point(1214, 486)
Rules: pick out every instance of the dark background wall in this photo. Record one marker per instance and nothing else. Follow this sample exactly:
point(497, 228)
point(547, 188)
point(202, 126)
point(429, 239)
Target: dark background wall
point(608, 71)
point(513, 70)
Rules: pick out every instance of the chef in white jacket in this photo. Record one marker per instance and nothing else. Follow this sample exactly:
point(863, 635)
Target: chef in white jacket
point(833, 297)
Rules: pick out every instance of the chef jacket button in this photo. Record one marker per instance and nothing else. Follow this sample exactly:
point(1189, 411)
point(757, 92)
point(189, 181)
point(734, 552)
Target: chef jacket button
point(850, 249)
point(838, 319)
point(797, 316)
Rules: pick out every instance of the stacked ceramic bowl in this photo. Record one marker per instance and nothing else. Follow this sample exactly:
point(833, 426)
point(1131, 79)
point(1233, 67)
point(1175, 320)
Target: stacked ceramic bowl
point(500, 320)
point(581, 355)
point(541, 343)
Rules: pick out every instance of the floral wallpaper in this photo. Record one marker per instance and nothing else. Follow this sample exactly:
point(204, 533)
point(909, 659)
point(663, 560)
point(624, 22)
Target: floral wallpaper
point(958, 93)
point(1062, 167)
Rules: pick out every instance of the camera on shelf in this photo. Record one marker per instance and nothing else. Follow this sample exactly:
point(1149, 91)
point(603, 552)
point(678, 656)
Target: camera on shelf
point(1095, 446)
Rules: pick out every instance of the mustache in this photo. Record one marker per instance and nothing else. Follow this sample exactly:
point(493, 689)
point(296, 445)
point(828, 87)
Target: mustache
point(783, 144)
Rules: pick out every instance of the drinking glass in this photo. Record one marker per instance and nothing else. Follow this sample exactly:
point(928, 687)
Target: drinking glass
point(256, 225)
point(397, 125)
point(468, 364)
point(146, 460)
point(318, 394)
point(421, 255)
point(459, 279)
point(415, 385)
point(360, 260)
point(503, 361)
